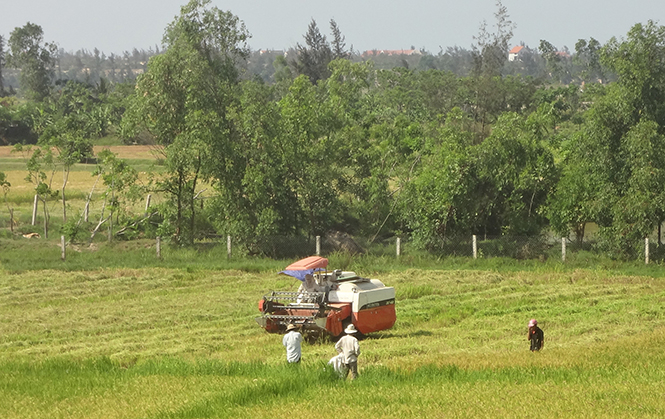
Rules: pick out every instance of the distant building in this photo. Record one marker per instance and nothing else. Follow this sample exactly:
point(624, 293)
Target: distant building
point(375, 52)
point(514, 53)
point(271, 51)
point(563, 55)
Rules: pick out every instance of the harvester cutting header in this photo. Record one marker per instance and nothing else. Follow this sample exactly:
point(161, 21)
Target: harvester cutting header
point(328, 301)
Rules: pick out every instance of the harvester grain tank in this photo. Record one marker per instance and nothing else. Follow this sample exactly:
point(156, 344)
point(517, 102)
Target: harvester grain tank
point(341, 298)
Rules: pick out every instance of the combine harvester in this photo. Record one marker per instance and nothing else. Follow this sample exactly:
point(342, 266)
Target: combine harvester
point(344, 298)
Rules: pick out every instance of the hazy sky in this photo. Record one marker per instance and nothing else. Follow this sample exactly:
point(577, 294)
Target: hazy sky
point(121, 25)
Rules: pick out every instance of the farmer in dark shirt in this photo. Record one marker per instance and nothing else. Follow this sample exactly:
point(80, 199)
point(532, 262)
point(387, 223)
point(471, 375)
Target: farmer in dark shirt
point(536, 336)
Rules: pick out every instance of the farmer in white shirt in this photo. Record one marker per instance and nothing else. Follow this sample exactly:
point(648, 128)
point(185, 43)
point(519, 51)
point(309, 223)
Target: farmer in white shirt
point(350, 350)
point(292, 341)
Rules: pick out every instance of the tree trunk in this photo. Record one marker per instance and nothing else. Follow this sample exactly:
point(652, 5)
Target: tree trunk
point(65, 177)
point(45, 219)
point(110, 233)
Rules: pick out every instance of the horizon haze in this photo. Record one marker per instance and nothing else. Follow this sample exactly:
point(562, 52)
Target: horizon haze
point(366, 24)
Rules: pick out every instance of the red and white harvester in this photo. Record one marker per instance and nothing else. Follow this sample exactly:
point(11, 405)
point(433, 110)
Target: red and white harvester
point(341, 298)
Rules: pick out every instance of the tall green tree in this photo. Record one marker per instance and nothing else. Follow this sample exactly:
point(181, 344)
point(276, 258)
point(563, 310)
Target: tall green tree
point(587, 57)
point(309, 149)
point(257, 203)
point(638, 61)
point(183, 100)
point(497, 187)
point(122, 187)
point(2, 65)
point(313, 57)
point(490, 52)
point(619, 153)
point(338, 45)
point(34, 57)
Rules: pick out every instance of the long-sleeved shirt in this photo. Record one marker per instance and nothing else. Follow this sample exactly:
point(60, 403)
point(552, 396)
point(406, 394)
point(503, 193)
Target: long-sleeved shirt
point(292, 342)
point(537, 337)
point(348, 346)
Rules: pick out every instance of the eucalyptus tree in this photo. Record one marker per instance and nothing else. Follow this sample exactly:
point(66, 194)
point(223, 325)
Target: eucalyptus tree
point(438, 201)
point(122, 186)
point(40, 161)
point(2, 65)
point(518, 173)
point(574, 202)
point(490, 54)
point(34, 57)
point(183, 100)
point(309, 150)
point(587, 57)
point(256, 202)
point(620, 153)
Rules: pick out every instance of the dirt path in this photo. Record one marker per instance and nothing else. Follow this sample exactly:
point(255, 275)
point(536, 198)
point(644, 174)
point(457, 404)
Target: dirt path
point(123, 151)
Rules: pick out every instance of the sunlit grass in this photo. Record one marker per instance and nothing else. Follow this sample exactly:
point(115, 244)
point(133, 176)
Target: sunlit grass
point(182, 343)
point(115, 332)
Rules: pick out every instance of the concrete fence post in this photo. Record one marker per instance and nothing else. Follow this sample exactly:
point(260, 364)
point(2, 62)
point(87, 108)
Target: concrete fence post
point(474, 247)
point(228, 247)
point(62, 247)
point(646, 251)
point(318, 245)
point(563, 249)
point(398, 247)
point(159, 247)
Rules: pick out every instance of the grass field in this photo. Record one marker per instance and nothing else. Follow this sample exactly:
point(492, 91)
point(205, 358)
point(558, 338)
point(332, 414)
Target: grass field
point(115, 332)
point(182, 343)
point(80, 183)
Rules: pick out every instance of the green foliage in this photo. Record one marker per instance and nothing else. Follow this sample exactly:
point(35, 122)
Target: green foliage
point(491, 52)
point(35, 58)
point(365, 147)
point(614, 167)
point(315, 56)
point(183, 100)
point(497, 187)
point(74, 231)
point(122, 187)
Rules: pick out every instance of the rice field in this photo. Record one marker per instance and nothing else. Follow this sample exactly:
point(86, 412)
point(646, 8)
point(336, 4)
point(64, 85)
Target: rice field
point(114, 332)
point(182, 343)
point(80, 183)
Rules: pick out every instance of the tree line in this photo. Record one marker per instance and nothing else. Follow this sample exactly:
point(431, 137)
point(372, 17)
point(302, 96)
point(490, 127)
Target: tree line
point(328, 142)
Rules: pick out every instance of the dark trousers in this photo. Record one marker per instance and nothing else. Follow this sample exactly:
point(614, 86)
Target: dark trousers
point(353, 367)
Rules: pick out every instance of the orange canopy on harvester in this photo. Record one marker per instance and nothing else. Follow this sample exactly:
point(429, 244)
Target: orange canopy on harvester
point(312, 262)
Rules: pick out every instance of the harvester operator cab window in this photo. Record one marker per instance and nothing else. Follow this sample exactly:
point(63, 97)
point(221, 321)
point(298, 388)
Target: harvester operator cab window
point(329, 281)
point(308, 285)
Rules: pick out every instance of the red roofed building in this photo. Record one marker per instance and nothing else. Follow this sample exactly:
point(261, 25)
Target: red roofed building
point(514, 53)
